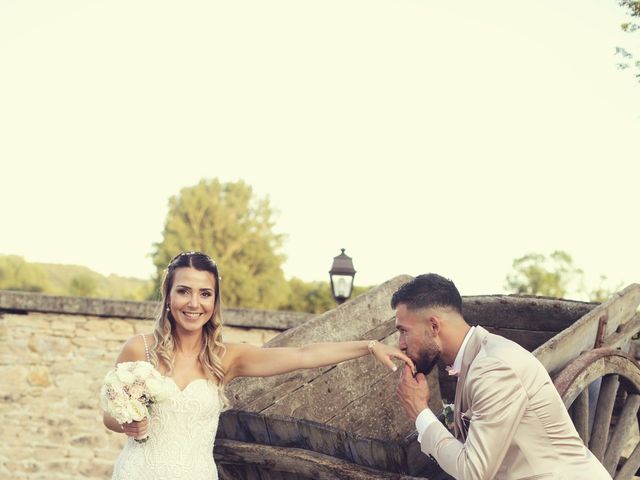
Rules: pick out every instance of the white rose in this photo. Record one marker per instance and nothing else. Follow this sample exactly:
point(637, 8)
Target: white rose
point(110, 377)
point(142, 369)
point(157, 389)
point(125, 376)
point(137, 410)
point(120, 412)
point(104, 397)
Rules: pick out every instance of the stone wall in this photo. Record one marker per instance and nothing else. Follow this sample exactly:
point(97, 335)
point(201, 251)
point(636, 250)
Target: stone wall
point(54, 353)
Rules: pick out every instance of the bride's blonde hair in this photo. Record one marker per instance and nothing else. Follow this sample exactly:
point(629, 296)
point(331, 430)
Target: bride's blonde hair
point(212, 348)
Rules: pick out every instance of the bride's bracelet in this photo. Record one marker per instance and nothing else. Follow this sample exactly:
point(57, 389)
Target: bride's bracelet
point(371, 345)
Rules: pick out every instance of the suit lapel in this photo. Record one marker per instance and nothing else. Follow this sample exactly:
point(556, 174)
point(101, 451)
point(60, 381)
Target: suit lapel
point(471, 350)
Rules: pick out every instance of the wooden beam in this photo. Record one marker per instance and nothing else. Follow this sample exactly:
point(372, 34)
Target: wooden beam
point(303, 462)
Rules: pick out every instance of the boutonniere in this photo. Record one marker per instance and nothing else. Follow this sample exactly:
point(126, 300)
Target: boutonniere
point(447, 415)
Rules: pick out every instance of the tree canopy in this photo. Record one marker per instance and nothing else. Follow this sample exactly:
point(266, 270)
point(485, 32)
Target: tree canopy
point(537, 274)
point(553, 276)
point(229, 223)
point(628, 59)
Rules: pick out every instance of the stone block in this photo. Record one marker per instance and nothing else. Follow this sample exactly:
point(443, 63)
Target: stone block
point(50, 347)
point(44, 454)
point(82, 453)
point(62, 465)
point(143, 326)
point(39, 376)
point(122, 327)
point(59, 326)
point(13, 376)
point(95, 469)
point(24, 466)
point(70, 381)
point(89, 441)
point(102, 325)
point(17, 454)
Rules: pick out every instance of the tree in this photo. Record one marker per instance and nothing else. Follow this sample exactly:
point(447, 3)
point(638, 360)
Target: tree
point(535, 274)
point(313, 297)
point(226, 221)
point(17, 274)
point(603, 291)
point(82, 285)
point(633, 10)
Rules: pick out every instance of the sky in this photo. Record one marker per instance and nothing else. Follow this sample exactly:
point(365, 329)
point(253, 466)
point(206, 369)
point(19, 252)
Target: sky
point(421, 136)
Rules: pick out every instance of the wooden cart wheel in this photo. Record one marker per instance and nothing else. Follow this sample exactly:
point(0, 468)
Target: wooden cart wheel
point(608, 380)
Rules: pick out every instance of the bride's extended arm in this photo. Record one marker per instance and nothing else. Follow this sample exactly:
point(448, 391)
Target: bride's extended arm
point(244, 360)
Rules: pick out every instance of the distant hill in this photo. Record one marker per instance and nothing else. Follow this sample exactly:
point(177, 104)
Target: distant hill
point(74, 280)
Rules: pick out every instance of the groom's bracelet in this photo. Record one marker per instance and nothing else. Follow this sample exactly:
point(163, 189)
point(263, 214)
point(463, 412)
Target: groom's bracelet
point(371, 344)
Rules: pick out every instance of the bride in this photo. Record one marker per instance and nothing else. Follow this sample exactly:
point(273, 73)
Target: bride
point(186, 347)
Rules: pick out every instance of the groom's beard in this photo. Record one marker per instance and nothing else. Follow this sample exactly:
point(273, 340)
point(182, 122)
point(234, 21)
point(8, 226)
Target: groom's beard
point(427, 359)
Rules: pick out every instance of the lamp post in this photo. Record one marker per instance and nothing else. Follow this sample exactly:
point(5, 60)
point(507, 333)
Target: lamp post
point(341, 274)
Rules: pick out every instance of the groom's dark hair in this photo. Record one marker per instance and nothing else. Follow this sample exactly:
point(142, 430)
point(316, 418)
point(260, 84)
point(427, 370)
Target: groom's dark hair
point(427, 291)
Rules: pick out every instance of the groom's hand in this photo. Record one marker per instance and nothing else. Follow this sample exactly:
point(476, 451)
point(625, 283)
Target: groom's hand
point(413, 392)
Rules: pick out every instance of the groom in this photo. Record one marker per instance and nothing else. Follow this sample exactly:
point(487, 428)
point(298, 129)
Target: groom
point(510, 422)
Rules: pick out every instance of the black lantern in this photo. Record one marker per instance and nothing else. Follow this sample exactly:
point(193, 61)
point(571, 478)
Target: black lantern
point(341, 274)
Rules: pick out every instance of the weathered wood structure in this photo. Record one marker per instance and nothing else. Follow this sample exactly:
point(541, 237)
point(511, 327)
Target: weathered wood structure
point(344, 422)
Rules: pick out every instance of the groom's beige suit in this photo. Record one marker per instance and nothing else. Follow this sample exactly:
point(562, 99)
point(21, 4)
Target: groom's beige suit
point(510, 422)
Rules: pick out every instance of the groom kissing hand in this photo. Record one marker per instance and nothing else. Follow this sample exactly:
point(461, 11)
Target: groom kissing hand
point(509, 420)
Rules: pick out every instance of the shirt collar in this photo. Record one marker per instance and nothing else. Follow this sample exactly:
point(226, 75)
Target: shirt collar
point(457, 363)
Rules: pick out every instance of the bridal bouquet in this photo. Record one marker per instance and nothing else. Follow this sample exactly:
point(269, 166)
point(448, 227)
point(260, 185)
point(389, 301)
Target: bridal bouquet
point(130, 389)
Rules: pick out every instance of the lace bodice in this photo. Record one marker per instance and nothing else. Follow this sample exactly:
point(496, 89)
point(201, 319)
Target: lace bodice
point(182, 430)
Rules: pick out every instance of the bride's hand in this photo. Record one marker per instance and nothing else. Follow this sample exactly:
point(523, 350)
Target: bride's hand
point(385, 353)
point(136, 429)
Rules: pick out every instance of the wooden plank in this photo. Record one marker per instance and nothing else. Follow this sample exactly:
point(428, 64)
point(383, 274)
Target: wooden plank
point(581, 336)
point(388, 456)
point(624, 333)
point(604, 409)
point(250, 427)
point(523, 312)
point(624, 424)
point(630, 467)
point(377, 413)
point(419, 464)
point(580, 415)
point(284, 432)
point(324, 439)
point(529, 339)
point(305, 463)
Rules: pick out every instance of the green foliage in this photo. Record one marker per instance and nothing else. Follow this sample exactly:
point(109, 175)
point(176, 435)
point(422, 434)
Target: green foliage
point(226, 221)
point(313, 297)
point(536, 274)
point(18, 274)
point(633, 10)
point(603, 291)
point(554, 276)
point(82, 286)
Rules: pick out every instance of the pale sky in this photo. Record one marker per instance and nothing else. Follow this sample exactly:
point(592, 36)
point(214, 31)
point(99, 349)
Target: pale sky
point(421, 136)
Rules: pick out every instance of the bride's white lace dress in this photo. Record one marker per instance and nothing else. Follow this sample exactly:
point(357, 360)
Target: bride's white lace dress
point(182, 430)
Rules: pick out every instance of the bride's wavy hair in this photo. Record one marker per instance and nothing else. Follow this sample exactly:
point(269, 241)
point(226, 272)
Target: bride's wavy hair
point(212, 348)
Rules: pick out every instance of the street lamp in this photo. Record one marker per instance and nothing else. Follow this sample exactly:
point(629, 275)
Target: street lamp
point(341, 274)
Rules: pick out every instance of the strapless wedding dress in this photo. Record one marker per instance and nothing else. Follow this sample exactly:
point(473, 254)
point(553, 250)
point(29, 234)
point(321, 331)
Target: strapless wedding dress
point(182, 430)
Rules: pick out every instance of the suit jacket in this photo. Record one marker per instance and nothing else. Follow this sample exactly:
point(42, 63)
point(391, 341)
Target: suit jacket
point(509, 419)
